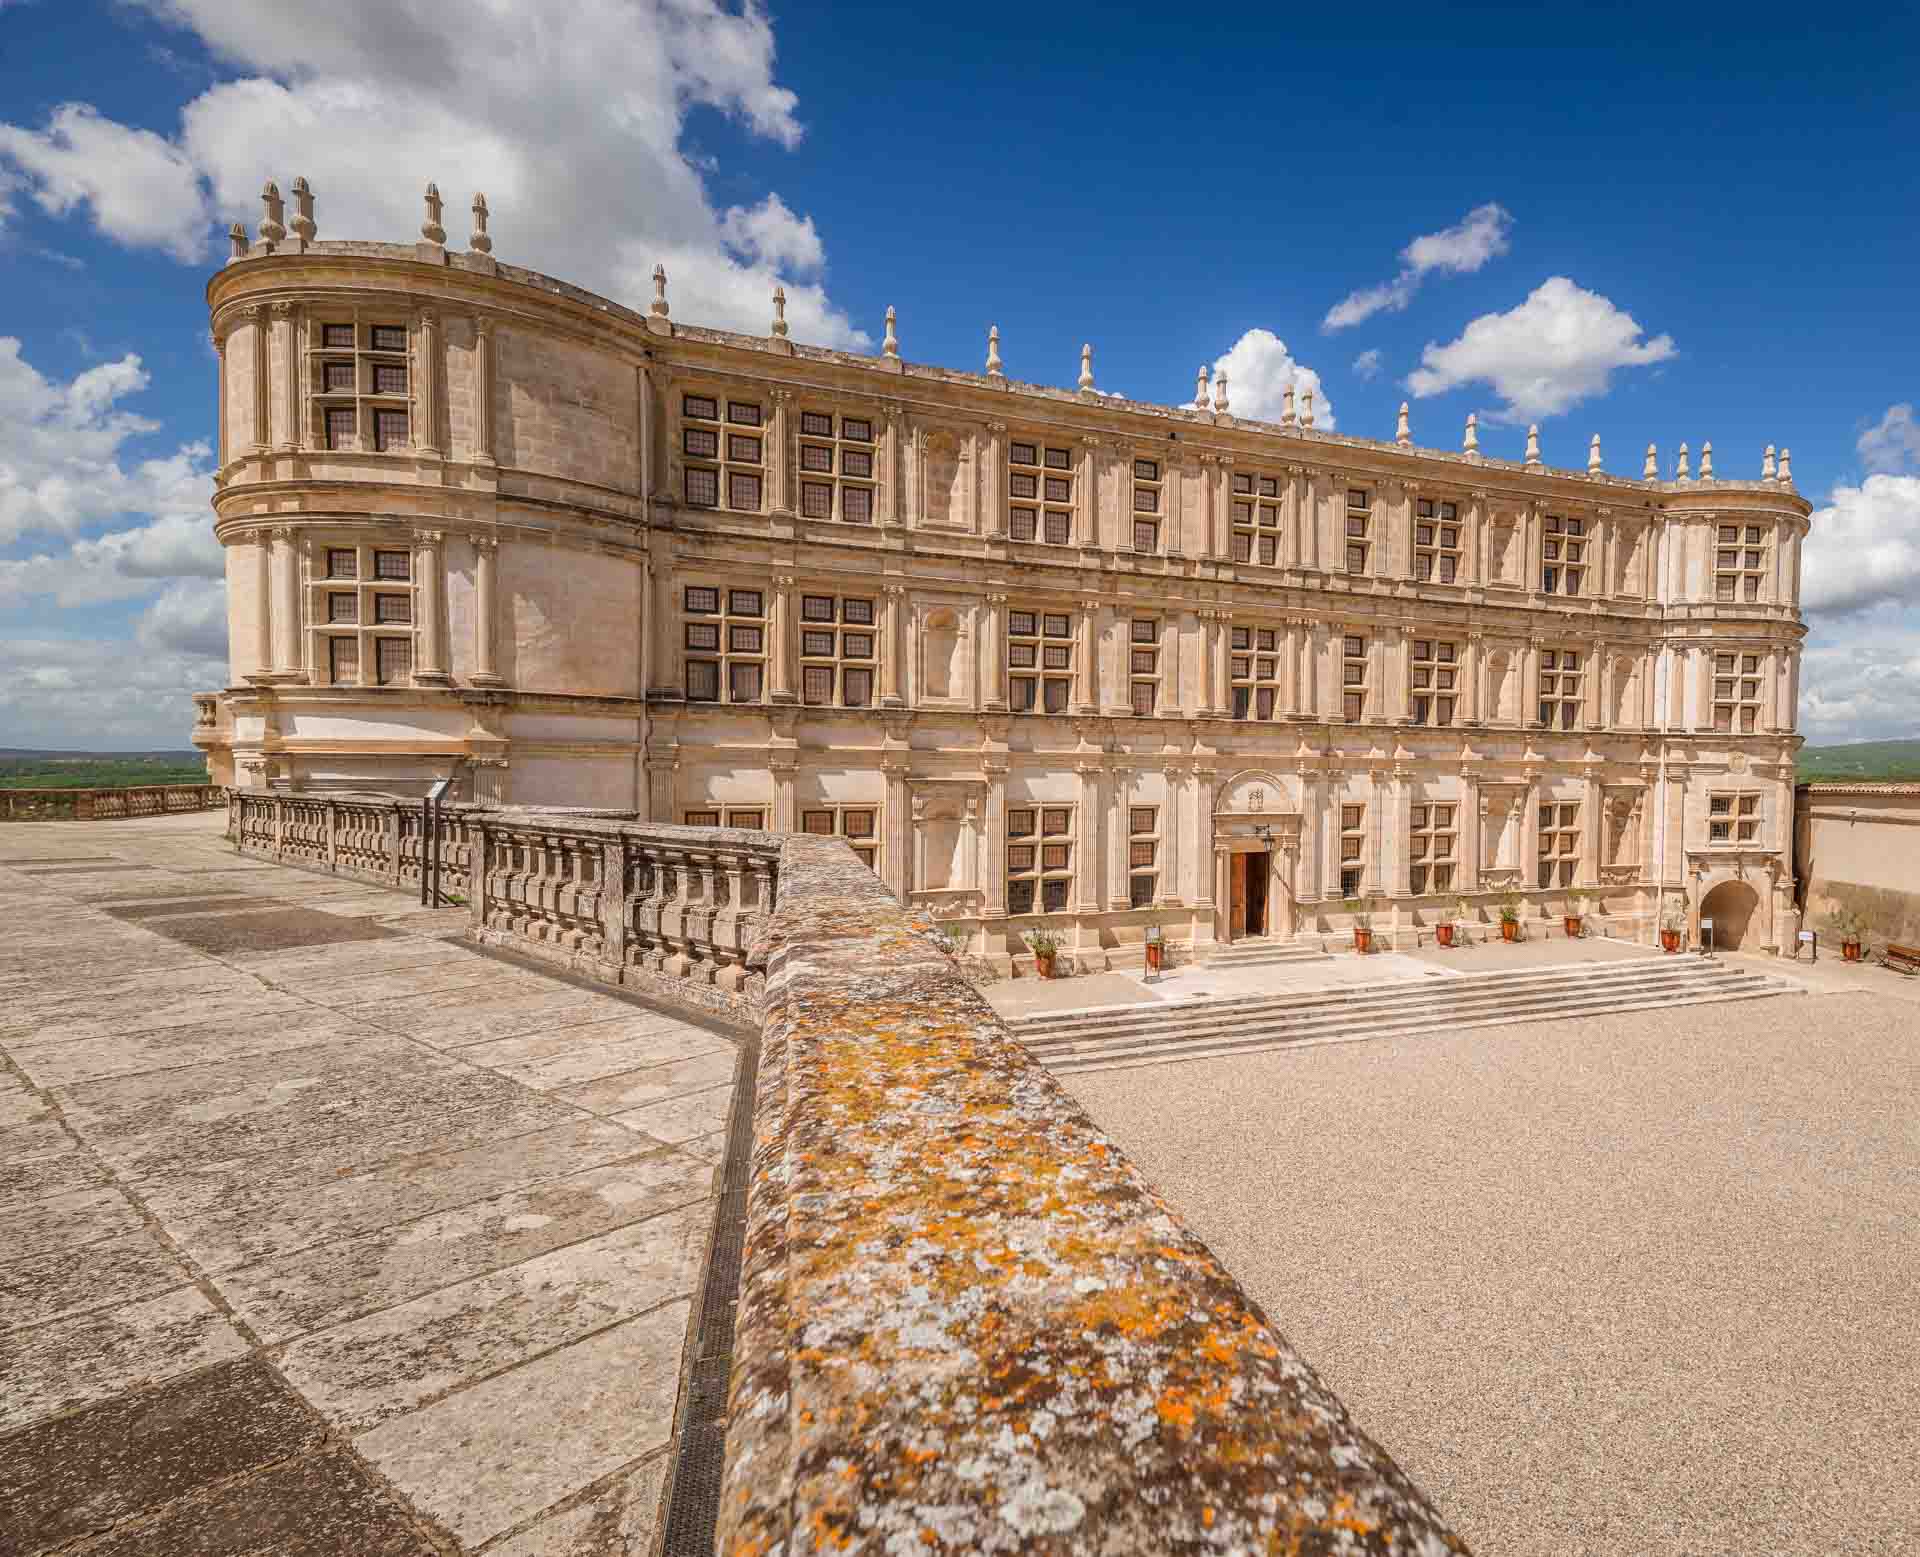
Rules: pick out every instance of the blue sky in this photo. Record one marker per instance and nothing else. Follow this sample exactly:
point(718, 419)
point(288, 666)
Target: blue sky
point(1656, 227)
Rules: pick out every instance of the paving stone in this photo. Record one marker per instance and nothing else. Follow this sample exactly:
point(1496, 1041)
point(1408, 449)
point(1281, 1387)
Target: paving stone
point(482, 1014)
point(77, 1361)
point(636, 1088)
point(133, 1015)
point(69, 1280)
point(323, 1506)
point(488, 1458)
point(576, 1054)
point(332, 1282)
point(33, 1141)
point(66, 1479)
point(420, 981)
point(362, 1373)
point(681, 1118)
point(227, 1220)
point(21, 1105)
point(66, 1221)
point(617, 1520)
point(226, 934)
point(235, 1036)
point(42, 1178)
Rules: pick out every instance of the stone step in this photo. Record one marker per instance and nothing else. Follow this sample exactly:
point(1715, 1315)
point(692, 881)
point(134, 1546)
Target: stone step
point(1138, 1034)
point(1250, 954)
point(1162, 1053)
point(1347, 997)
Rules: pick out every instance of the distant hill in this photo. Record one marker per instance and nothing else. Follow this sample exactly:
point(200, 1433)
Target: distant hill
point(24, 768)
point(1862, 760)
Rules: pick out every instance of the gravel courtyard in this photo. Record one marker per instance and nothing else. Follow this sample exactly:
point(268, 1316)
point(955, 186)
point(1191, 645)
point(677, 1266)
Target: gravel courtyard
point(1630, 1284)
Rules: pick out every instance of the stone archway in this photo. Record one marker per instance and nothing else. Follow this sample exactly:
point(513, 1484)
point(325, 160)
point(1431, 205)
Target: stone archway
point(1731, 906)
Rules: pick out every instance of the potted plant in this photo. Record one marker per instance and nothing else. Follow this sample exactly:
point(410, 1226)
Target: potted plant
point(1362, 910)
point(1673, 919)
point(1851, 929)
point(1045, 946)
point(1455, 931)
point(1510, 907)
point(1576, 912)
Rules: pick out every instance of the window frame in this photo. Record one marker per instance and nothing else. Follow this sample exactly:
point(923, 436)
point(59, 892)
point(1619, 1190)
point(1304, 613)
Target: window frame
point(1250, 649)
point(840, 660)
point(1035, 881)
point(1435, 666)
point(723, 657)
point(1561, 862)
point(1038, 681)
point(839, 447)
point(362, 401)
point(1436, 555)
point(725, 465)
point(378, 571)
point(1047, 520)
point(1572, 708)
point(1432, 827)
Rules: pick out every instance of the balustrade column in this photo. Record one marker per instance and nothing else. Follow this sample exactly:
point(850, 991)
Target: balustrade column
point(613, 902)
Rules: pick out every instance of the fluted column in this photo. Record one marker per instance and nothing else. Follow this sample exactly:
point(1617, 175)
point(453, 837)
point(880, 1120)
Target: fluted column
point(222, 441)
point(1470, 678)
point(890, 647)
point(889, 498)
point(993, 479)
point(486, 560)
point(1467, 868)
point(263, 590)
point(779, 451)
point(426, 390)
point(430, 568)
point(1599, 674)
point(1166, 881)
point(483, 390)
point(994, 884)
point(1087, 505)
point(1119, 889)
point(780, 626)
point(285, 327)
point(1086, 686)
point(286, 603)
point(262, 401)
point(994, 646)
point(1203, 863)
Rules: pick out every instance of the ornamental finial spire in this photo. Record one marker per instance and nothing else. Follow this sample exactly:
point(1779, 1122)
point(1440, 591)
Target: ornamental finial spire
point(1402, 432)
point(1685, 472)
point(1786, 467)
point(1086, 369)
point(1593, 456)
point(1766, 464)
point(1220, 392)
point(779, 325)
point(1651, 471)
point(303, 224)
point(1472, 444)
point(1288, 416)
point(1706, 461)
point(659, 291)
point(478, 240)
point(891, 345)
point(1202, 395)
point(1533, 444)
point(430, 229)
point(994, 367)
point(272, 226)
point(237, 237)
point(1306, 406)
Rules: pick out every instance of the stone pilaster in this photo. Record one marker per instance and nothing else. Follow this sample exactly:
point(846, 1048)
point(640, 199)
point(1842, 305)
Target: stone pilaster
point(780, 627)
point(426, 385)
point(483, 398)
point(486, 563)
point(430, 571)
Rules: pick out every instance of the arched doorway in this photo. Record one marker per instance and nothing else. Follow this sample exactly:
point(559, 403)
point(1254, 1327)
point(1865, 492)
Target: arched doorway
point(1730, 906)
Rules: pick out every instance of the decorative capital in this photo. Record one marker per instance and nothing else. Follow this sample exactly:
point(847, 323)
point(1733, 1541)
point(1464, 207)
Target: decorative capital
point(281, 309)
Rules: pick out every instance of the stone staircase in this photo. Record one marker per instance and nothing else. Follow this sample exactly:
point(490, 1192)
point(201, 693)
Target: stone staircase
point(1116, 1037)
point(1261, 953)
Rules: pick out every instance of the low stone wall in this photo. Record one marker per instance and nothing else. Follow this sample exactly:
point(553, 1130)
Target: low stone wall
point(966, 1324)
point(86, 805)
point(1857, 852)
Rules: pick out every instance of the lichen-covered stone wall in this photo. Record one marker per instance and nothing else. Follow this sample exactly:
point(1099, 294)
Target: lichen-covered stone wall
point(966, 1322)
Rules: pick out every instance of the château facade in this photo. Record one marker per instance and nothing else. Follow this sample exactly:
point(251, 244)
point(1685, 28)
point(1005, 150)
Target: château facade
point(1041, 656)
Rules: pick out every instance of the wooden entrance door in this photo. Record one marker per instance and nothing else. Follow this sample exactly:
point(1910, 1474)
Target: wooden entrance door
point(1237, 901)
point(1247, 902)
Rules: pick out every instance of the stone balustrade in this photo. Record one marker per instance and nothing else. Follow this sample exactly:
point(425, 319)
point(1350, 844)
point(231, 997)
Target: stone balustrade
point(86, 805)
point(966, 1323)
point(679, 911)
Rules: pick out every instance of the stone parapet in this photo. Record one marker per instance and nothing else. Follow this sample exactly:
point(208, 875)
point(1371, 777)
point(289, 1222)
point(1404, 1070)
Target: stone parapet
point(966, 1323)
point(86, 805)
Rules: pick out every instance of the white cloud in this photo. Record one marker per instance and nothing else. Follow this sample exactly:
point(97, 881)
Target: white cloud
point(1484, 233)
point(62, 469)
point(140, 188)
point(574, 131)
point(1559, 347)
point(1893, 444)
point(1860, 678)
point(90, 692)
point(1367, 365)
point(1864, 547)
point(1259, 367)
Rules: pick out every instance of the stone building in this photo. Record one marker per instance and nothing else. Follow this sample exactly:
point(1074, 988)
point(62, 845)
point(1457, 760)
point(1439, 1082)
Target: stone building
point(1041, 655)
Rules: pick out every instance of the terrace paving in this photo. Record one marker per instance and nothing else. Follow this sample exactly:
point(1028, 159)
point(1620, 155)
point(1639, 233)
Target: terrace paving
point(321, 1232)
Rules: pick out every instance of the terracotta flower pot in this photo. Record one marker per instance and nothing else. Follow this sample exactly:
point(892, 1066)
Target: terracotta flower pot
point(1850, 951)
point(1363, 941)
point(1153, 954)
point(1509, 929)
point(1444, 933)
point(1670, 940)
point(1043, 964)
point(1573, 927)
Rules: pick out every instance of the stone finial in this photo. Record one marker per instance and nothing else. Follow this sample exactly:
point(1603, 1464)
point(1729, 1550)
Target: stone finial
point(1402, 432)
point(1766, 464)
point(1287, 414)
point(891, 345)
point(659, 307)
point(1706, 461)
point(479, 242)
point(1220, 391)
point(994, 367)
point(1651, 470)
point(273, 226)
point(1472, 444)
point(237, 236)
point(1533, 444)
point(1202, 393)
point(1306, 407)
point(430, 228)
point(303, 223)
point(779, 325)
point(1593, 456)
point(1086, 369)
point(1684, 473)
point(1786, 467)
